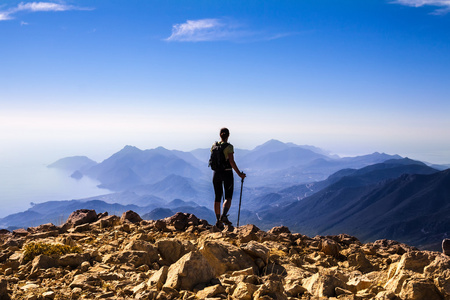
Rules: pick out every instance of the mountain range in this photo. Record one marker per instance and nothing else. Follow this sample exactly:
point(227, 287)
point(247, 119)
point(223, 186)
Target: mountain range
point(303, 187)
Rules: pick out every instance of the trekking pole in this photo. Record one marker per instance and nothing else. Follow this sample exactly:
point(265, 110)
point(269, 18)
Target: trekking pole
point(240, 199)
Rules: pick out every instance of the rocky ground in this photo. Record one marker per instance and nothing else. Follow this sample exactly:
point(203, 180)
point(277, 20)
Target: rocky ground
point(96, 256)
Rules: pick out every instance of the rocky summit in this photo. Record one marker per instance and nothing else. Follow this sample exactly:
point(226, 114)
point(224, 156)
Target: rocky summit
point(101, 256)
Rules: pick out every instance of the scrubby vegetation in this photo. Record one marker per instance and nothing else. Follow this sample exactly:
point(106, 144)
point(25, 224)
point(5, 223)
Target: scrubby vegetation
point(32, 250)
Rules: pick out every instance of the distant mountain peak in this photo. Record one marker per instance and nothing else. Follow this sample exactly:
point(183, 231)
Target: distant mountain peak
point(272, 146)
point(129, 148)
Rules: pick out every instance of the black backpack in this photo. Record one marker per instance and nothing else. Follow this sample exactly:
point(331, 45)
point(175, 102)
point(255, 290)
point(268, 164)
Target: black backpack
point(217, 161)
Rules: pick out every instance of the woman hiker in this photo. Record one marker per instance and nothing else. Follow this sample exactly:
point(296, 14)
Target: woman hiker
point(223, 164)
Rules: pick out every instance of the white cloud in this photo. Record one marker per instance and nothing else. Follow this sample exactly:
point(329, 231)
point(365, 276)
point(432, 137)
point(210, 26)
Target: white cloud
point(204, 30)
point(444, 5)
point(36, 7)
point(4, 16)
point(43, 6)
point(224, 29)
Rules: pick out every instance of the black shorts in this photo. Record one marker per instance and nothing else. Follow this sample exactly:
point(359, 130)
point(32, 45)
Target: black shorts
point(223, 180)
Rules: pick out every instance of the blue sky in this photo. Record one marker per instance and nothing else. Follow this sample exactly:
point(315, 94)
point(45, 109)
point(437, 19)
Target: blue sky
point(352, 77)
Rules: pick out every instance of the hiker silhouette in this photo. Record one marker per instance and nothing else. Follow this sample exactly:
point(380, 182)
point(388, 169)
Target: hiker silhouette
point(222, 162)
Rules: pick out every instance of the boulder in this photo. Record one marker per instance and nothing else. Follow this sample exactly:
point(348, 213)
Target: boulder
point(20, 232)
point(257, 250)
point(107, 221)
point(293, 280)
point(359, 261)
point(224, 257)
point(43, 262)
point(182, 220)
point(211, 291)
point(446, 246)
point(272, 288)
point(244, 291)
point(130, 216)
point(330, 247)
point(43, 228)
point(248, 233)
point(141, 245)
point(324, 283)
point(279, 230)
point(418, 289)
point(81, 216)
point(158, 278)
point(189, 271)
point(170, 250)
point(73, 260)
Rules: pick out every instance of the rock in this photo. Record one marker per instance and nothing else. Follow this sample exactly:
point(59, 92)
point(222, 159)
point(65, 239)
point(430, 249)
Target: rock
point(244, 291)
point(248, 233)
point(130, 216)
point(330, 247)
point(81, 216)
point(73, 260)
point(385, 295)
point(359, 261)
point(418, 289)
point(293, 280)
point(358, 282)
point(257, 250)
point(182, 220)
point(224, 257)
point(211, 291)
point(189, 271)
point(43, 228)
point(171, 250)
point(20, 232)
point(85, 281)
point(159, 278)
point(140, 245)
point(107, 221)
point(446, 246)
point(131, 257)
point(279, 230)
point(272, 288)
point(245, 272)
point(43, 262)
point(324, 283)
point(84, 267)
point(4, 289)
point(48, 295)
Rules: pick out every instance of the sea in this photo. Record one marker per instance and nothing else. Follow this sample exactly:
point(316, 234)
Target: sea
point(22, 185)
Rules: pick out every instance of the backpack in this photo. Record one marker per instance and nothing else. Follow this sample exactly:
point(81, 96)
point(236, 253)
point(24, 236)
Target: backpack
point(217, 161)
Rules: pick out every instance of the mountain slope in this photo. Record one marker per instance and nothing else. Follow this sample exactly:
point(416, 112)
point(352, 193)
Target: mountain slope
point(412, 208)
point(132, 166)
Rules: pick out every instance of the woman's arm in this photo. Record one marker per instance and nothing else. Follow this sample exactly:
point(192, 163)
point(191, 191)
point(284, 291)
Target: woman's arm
point(234, 166)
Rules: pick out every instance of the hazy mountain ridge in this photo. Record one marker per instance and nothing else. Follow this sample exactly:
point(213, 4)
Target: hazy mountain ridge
point(57, 211)
point(412, 208)
point(73, 163)
point(281, 178)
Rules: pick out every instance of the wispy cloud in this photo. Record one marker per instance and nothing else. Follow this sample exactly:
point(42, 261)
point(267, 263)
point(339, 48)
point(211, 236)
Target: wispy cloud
point(205, 30)
point(223, 29)
point(37, 7)
point(443, 5)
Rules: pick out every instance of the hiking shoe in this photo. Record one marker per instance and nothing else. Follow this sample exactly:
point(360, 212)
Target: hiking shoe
point(224, 219)
point(219, 225)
